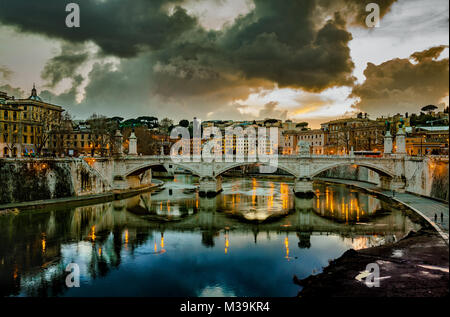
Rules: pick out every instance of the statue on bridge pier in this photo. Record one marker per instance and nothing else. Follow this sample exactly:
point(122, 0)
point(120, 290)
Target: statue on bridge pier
point(388, 139)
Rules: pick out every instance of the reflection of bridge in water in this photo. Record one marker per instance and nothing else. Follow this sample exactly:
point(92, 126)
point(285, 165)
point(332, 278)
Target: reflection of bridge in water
point(34, 241)
point(305, 217)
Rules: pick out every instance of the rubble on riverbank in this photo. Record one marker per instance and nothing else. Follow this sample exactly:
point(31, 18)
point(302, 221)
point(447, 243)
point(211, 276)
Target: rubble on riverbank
point(415, 266)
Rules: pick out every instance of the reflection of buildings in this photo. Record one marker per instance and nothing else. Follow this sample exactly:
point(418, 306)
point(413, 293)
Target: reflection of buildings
point(257, 204)
point(98, 235)
point(353, 208)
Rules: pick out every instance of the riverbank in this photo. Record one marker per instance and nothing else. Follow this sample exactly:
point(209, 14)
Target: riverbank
point(415, 266)
point(76, 201)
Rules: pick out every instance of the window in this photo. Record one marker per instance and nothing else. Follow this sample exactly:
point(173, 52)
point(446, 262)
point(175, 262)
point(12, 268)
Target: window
point(5, 115)
point(25, 139)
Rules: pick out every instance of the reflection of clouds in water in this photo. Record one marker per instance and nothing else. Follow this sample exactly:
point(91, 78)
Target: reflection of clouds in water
point(216, 291)
point(129, 257)
point(365, 242)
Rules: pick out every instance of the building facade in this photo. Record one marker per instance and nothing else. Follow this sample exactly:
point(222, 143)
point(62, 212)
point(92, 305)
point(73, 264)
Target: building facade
point(315, 138)
point(359, 134)
point(26, 124)
point(427, 140)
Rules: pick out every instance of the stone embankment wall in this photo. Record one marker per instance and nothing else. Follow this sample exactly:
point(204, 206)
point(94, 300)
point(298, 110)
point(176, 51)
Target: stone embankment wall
point(439, 180)
point(28, 180)
point(432, 182)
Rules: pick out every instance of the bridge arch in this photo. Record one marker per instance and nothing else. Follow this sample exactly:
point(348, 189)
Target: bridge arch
point(378, 169)
point(147, 166)
point(238, 164)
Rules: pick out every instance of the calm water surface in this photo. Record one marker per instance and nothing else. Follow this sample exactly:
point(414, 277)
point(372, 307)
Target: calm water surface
point(248, 241)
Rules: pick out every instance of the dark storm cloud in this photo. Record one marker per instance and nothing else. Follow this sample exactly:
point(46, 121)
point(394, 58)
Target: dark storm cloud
point(281, 41)
point(278, 42)
point(428, 54)
point(354, 11)
point(65, 64)
point(399, 85)
point(168, 58)
point(119, 27)
point(66, 98)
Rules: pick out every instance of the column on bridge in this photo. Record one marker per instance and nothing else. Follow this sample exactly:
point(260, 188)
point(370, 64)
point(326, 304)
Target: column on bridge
point(132, 146)
point(388, 143)
point(400, 142)
point(118, 144)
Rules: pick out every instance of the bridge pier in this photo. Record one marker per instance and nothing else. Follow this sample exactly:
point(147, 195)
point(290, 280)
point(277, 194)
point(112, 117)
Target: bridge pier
point(210, 186)
point(397, 183)
point(303, 187)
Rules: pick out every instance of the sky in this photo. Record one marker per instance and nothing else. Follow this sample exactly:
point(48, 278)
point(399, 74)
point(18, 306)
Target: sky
point(303, 60)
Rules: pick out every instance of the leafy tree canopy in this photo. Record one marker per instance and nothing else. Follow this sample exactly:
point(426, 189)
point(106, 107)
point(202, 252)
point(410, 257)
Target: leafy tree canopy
point(429, 108)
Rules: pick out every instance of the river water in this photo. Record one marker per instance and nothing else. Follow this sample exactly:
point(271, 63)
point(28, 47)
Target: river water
point(248, 241)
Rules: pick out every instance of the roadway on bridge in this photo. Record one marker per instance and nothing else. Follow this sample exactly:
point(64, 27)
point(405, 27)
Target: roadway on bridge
point(426, 207)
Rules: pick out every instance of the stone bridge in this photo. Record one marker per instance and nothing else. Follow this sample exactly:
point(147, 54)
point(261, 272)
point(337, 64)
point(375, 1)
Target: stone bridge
point(394, 171)
point(397, 171)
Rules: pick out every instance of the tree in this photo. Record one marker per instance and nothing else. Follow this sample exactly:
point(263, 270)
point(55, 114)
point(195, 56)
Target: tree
point(344, 136)
point(184, 123)
point(131, 123)
point(165, 125)
point(147, 141)
point(150, 122)
point(270, 121)
point(65, 127)
point(50, 122)
point(429, 108)
point(301, 125)
point(117, 119)
point(102, 131)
